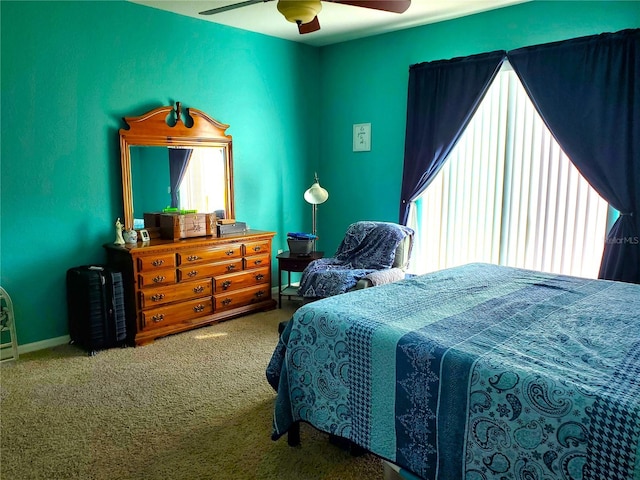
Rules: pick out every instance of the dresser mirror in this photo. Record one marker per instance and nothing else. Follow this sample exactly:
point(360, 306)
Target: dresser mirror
point(175, 159)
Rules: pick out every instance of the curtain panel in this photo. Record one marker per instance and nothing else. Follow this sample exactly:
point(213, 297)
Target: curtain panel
point(178, 162)
point(587, 91)
point(442, 98)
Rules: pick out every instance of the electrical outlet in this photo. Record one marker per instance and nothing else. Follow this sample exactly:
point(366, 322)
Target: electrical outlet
point(280, 251)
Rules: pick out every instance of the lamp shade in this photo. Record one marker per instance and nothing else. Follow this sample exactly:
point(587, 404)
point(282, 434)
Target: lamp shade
point(299, 11)
point(315, 194)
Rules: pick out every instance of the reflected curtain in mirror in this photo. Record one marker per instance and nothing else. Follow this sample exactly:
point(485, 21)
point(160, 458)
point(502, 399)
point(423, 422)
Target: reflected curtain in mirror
point(178, 161)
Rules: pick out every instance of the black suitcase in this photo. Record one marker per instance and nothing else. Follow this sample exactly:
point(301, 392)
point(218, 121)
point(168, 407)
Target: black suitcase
point(95, 301)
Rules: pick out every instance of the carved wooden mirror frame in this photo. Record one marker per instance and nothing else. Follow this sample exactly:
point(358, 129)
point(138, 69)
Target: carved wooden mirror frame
point(152, 129)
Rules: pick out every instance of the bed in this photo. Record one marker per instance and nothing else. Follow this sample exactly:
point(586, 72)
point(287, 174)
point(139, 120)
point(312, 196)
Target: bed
point(477, 372)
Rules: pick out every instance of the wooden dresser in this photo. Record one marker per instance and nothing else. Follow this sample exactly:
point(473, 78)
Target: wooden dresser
point(172, 286)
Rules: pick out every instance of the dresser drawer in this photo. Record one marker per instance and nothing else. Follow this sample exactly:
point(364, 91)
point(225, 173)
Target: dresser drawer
point(172, 314)
point(155, 262)
point(236, 281)
point(239, 298)
point(256, 248)
point(173, 286)
point(190, 257)
point(192, 272)
point(158, 277)
point(257, 261)
point(180, 291)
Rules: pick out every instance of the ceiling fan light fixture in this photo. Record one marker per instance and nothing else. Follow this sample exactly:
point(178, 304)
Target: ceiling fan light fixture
point(299, 11)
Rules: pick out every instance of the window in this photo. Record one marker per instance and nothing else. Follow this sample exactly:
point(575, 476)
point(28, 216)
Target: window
point(509, 195)
point(196, 190)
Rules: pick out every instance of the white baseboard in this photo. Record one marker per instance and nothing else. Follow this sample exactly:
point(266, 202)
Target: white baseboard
point(50, 342)
point(54, 342)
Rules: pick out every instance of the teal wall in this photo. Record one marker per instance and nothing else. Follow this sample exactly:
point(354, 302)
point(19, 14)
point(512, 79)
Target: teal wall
point(150, 180)
point(366, 81)
point(71, 70)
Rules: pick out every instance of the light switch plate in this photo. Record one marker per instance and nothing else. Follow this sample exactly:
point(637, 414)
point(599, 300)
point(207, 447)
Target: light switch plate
point(362, 137)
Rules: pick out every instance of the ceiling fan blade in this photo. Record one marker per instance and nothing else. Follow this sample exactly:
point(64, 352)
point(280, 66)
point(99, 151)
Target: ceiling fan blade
point(395, 6)
point(312, 26)
point(246, 3)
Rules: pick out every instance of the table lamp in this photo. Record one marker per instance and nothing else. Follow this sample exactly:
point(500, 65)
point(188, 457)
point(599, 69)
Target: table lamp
point(315, 195)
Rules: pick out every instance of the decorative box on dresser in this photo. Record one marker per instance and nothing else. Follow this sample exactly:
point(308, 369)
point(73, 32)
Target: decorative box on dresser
point(173, 286)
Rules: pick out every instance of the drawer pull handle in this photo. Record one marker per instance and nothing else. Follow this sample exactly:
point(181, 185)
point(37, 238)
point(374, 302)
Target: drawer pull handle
point(159, 278)
point(257, 248)
point(226, 284)
point(193, 258)
point(198, 308)
point(157, 263)
point(158, 317)
point(198, 289)
point(231, 267)
point(226, 301)
point(257, 262)
point(229, 252)
point(192, 273)
point(259, 277)
point(157, 297)
point(259, 293)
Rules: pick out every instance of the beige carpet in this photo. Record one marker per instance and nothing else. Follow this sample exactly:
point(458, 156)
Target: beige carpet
point(191, 406)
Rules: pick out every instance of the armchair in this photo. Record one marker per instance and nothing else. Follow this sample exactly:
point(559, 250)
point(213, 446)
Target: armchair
point(371, 253)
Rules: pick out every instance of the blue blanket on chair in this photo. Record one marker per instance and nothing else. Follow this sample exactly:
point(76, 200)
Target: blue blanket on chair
point(366, 248)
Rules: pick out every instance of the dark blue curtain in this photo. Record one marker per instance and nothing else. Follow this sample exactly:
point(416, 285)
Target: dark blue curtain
point(587, 90)
point(178, 162)
point(442, 98)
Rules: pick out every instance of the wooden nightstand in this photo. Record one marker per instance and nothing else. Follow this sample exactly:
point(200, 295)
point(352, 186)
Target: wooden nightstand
point(289, 262)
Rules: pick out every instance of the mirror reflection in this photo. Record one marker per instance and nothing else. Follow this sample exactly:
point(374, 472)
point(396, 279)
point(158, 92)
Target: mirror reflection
point(168, 161)
point(187, 178)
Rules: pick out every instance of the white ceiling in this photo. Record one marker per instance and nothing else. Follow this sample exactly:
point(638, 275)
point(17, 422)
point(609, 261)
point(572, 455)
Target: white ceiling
point(338, 23)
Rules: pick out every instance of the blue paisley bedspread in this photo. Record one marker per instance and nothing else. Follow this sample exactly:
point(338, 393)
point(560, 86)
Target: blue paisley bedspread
point(478, 372)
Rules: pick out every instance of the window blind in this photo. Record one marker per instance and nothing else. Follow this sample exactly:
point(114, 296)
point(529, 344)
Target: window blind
point(509, 195)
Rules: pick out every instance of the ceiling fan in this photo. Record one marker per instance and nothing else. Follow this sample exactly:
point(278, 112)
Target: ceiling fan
point(305, 12)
